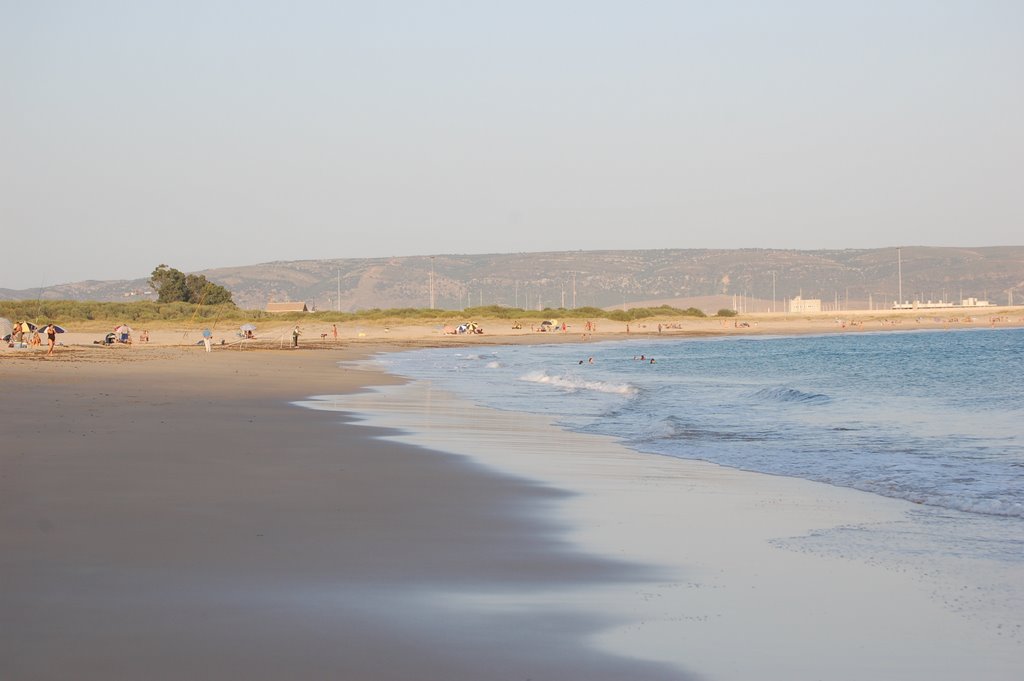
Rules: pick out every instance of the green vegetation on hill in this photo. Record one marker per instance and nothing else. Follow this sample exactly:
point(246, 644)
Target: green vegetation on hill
point(65, 311)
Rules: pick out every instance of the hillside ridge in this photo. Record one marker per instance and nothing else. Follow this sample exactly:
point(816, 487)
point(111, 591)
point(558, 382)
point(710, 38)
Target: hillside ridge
point(754, 279)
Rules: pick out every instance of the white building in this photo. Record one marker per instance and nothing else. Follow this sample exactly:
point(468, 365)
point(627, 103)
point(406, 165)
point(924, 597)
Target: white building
point(800, 306)
point(940, 305)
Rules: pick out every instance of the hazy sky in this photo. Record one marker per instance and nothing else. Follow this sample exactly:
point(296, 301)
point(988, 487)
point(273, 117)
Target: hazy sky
point(210, 133)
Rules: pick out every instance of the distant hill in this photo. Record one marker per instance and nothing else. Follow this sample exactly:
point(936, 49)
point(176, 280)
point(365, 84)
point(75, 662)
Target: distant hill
point(707, 279)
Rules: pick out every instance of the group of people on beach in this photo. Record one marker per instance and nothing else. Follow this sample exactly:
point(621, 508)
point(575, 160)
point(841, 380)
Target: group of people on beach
point(297, 331)
point(23, 329)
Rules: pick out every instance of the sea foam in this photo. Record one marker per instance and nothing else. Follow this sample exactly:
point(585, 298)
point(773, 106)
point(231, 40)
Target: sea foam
point(576, 383)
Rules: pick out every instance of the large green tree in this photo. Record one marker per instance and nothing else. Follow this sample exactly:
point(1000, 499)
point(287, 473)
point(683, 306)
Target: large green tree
point(174, 286)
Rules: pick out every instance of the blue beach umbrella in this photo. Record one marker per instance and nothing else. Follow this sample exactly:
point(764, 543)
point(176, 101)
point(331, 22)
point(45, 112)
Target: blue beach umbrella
point(207, 333)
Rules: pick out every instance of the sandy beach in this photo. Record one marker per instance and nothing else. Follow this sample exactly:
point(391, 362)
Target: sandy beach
point(168, 513)
point(178, 518)
point(375, 335)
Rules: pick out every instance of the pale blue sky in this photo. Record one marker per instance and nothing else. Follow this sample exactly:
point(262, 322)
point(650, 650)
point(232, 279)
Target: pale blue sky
point(212, 133)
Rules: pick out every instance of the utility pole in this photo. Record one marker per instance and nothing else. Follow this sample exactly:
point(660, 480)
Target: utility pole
point(431, 282)
point(899, 271)
point(339, 289)
point(574, 290)
point(773, 291)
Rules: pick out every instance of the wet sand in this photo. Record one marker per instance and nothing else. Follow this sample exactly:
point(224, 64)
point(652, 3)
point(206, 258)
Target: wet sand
point(179, 518)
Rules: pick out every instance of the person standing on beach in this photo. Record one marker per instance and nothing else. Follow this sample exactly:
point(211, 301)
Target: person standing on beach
point(51, 338)
point(295, 336)
point(334, 330)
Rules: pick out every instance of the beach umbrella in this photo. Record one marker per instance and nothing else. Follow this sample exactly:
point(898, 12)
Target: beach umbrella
point(247, 327)
point(122, 328)
point(207, 333)
point(56, 327)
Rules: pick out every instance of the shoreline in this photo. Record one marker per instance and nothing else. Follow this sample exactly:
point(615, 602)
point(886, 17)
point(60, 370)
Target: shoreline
point(770, 556)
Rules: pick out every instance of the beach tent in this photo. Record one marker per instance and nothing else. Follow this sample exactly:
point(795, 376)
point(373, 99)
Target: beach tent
point(7, 328)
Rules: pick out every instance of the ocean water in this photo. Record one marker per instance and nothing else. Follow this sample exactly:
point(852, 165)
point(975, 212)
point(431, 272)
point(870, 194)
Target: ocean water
point(931, 419)
point(936, 418)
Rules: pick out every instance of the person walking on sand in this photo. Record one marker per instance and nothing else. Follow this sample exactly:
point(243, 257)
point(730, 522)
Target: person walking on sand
point(51, 338)
point(334, 330)
point(295, 336)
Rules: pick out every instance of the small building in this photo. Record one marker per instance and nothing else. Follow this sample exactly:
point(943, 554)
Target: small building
point(799, 305)
point(287, 307)
point(940, 305)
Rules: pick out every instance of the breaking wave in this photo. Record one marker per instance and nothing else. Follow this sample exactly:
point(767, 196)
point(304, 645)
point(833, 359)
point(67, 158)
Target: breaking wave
point(576, 383)
point(791, 395)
